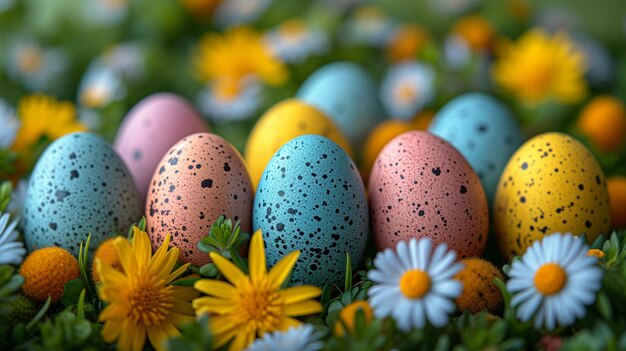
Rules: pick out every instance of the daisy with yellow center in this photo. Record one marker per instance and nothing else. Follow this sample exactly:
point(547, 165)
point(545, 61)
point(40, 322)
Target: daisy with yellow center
point(415, 284)
point(294, 41)
point(237, 54)
point(407, 88)
point(42, 115)
point(542, 67)
point(248, 306)
point(141, 302)
point(554, 281)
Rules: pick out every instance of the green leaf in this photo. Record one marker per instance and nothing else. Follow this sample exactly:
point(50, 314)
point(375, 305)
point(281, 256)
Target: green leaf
point(238, 261)
point(185, 282)
point(40, 314)
point(209, 270)
point(348, 278)
point(604, 306)
point(72, 292)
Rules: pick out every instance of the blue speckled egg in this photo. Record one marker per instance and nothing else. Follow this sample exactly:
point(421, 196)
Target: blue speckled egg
point(311, 198)
point(347, 94)
point(79, 186)
point(483, 130)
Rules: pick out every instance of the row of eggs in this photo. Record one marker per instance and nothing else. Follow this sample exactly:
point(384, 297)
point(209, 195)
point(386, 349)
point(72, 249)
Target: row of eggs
point(309, 194)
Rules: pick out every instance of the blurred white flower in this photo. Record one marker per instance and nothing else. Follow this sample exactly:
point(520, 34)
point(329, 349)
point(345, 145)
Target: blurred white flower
point(407, 88)
point(300, 338)
point(12, 249)
point(127, 59)
point(229, 100)
point(294, 41)
point(368, 25)
point(6, 5)
point(9, 125)
point(106, 12)
point(233, 12)
point(91, 118)
point(452, 7)
point(100, 86)
point(36, 67)
point(456, 51)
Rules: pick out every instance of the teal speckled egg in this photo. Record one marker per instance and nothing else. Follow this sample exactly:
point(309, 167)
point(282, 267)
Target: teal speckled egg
point(79, 186)
point(311, 198)
point(347, 94)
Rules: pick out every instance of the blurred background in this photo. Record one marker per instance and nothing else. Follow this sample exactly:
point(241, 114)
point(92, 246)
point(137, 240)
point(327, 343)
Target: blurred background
point(103, 56)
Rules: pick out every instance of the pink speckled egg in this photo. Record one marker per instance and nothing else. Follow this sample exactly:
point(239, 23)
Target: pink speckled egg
point(150, 129)
point(199, 179)
point(421, 186)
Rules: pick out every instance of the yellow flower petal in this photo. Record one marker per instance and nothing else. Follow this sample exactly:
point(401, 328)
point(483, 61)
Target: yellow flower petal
point(211, 304)
point(125, 253)
point(303, 308)
point(114, 311)
point(281, 270)
point(216, 288)
point(141, 247)
point(111, 331)
point(242, 340)
point(221, 339)
point(227, 268)
point(299, 293)
point(288, 322)
point(256, 260)
point(157, 337)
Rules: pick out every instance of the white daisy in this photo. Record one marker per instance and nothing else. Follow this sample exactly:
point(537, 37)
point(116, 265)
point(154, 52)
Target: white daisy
point(294, 41)
point(106, 12)
point(234, 12)
point(300, 338)
point(36, 67)
point(12, 249)
point(554, 281)
point(415, 284)
point(16, 205)
point(368, 25)
point(407, 88)
point(100, 86)
point(127, 59)
point(230, 100)
point(10, 125)
point(456, 51)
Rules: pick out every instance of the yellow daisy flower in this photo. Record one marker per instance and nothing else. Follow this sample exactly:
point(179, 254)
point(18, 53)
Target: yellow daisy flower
point(540, 67)
point(239, 53)
point(141, 301)
point(42, 115)
point(252, 305)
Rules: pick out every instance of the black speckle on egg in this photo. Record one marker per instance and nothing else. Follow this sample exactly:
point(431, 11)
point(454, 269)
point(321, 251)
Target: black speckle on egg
point(207, 183)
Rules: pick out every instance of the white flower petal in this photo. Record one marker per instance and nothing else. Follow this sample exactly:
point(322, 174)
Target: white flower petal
point(448, 288)
point(528, 308)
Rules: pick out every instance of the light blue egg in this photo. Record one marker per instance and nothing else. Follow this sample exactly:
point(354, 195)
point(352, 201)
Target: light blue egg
point(311, 198)
point(483, 130)
point(348, 95)
point(78, 186)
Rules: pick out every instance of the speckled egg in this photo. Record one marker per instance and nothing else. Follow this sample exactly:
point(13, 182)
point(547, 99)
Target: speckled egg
point(347, 94)
point(311, 198)
point(199, 179)
point(483, 130)
point(150, 129)
point(551, 184)
point(78, 186)
point(421, 186)
point(281, 123)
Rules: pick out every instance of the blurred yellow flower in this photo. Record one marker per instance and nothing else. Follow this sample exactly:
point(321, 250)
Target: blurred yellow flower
point(476, 31)
point(603, 121)
point(43, 115)
point(406, 42)
point(541, 66)
point(239, 53)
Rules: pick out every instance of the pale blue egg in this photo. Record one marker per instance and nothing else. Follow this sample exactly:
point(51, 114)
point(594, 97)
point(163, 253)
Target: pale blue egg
point(347, 94)
point(311, 198)
point(483, 130)
point(79, 186)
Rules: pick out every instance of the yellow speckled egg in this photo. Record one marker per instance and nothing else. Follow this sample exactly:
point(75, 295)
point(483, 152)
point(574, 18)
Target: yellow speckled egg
point(551, 184)
point(281, 123)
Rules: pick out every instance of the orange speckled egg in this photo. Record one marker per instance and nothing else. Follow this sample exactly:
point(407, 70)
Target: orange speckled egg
point(421, 186)
point(199, 179)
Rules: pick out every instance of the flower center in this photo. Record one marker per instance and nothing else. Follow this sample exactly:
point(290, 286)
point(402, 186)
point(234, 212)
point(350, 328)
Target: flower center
point(30, 60)
point(550, 278)
point(150, 298)
point(258, 307)
point(227, 89)
point(406, 93)
point(415, 283)
point(293, 31)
